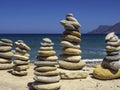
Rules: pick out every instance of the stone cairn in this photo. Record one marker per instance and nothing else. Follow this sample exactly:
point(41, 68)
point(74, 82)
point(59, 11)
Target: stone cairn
point(110, 66)
point(6, 54)
point(71, 53)
point(46, 74)
point(21, 58)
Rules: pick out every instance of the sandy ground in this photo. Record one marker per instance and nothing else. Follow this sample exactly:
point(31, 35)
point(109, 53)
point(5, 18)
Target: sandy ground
point(11, 82)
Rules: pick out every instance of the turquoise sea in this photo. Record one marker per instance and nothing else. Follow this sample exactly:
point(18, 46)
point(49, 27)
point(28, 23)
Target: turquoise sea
point(92, 46)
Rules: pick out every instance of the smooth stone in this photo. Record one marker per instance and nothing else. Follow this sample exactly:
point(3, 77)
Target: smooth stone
point(71, 38)
point(48, 58)
point(69, 15)
point(21, 57)
point(20, 62)
point(46, 48)
point(117, 43)
point(6, 40)
point(45, 63)
point(75, 24)
point(20, 41)
point(6, 55)
point(70, 18)
point(46, 53)
point(112, 49)
point(112, 53)
point(20, 73)
point(69, 27)
point(2, 60)
point(71, 51)
point(48, 73)
point(5, 44)
point(47, 79)
point(111, 65)
point(69, 44)
point(71, 74)
point(109, 36)
point(105, 74)
point(74, 33)
point(112, 58)
point(46, 86)
point(47, 40)
point(22, 45)
point(5, 48)
point(6, 66)
point(45, 68)
point(44, 44)
point(21, 50)
point(71, 65)
point(114, 39)
point(70, 58)
point(22, 54)
point(21, 68)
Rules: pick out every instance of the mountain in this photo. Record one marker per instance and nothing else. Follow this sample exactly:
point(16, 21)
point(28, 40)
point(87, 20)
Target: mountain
point(104, 29)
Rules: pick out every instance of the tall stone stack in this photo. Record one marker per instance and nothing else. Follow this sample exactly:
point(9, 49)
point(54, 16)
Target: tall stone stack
point(21, 58)
point(71, 53)
point(46, 74)
point(6, 54)
point(111, 63)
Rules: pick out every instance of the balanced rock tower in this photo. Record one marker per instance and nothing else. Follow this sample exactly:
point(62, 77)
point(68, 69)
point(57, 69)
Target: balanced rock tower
point(21, 58)
point(110, 67)
point(70, 59)
point(6, 54)
point(46, 74)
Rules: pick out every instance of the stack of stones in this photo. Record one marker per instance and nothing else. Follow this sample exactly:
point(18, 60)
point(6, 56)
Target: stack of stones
point(21, 58)
point(111, 63)
point(46, 74)
point(71, 53)
point(6, 54)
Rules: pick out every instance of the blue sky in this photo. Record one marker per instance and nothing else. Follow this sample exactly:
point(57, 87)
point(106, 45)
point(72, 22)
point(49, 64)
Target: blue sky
point(43, 16)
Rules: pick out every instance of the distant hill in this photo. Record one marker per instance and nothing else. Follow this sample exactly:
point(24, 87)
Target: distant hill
point(104, 29)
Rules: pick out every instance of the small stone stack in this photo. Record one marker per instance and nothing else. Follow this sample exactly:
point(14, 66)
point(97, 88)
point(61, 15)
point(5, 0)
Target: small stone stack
point(6, 54)
point(47, 77)
point(111, 63)
point(71, 53)
point(112, 60)
point(22, 58)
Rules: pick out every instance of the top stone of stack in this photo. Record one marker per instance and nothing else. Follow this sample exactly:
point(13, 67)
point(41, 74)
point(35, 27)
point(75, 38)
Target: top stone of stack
point(70, 23)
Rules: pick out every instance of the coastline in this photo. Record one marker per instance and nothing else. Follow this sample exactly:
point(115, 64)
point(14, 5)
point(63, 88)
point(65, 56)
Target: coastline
point(11, 82)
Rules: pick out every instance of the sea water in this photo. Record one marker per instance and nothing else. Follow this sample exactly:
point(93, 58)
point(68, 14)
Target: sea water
point(92, 45)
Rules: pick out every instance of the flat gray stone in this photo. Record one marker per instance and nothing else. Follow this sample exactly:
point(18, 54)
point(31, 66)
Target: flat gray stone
point(112, 58)
point(5, 48)
point(5, 44)
point(48, 73)
point(20, 62)
point(69, 44)
point(6, 66)
point(45, 68)
point(46, 79)
point(112, 53)
point(6, 40)
point(70, 58)
point(45, 63)
point(48, 40)
point(73, 74)
point(117, 43)
point(71, 38)
point(46, 86)
point(6, 55)
point(71, 65)
point(114, 65)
